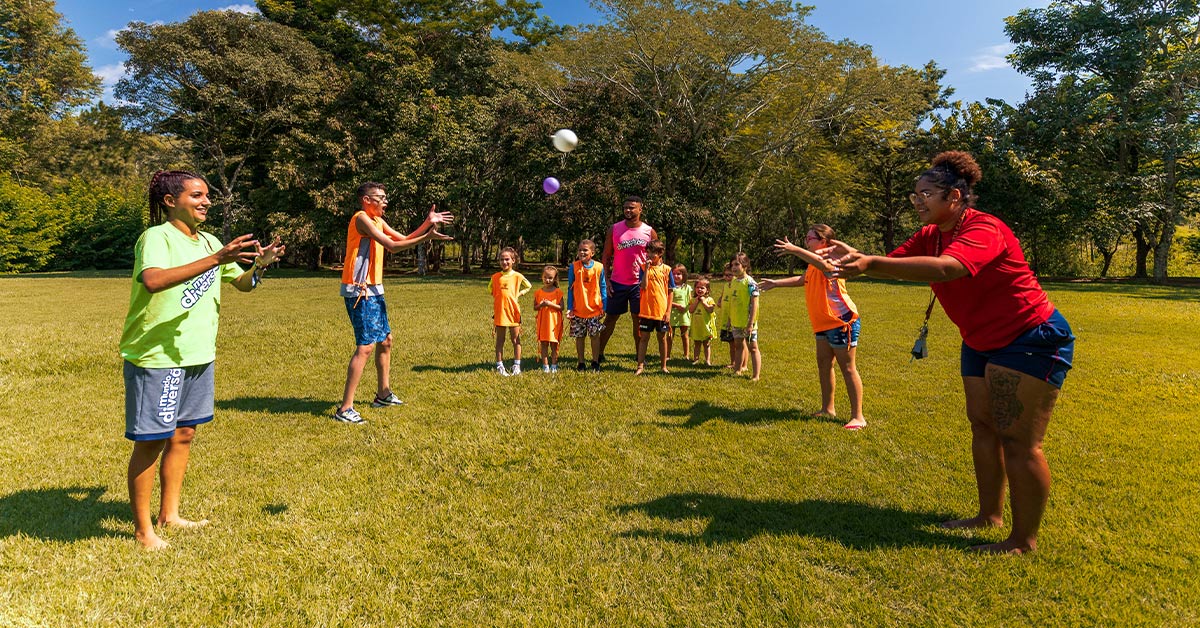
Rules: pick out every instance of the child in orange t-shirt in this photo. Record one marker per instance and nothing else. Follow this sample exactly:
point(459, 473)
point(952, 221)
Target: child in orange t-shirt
point(834, 319)
point(548, 302)
point(655, 313)
point(506, 287)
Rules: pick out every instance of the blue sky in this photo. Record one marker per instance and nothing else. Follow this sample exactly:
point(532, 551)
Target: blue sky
point(965, 38)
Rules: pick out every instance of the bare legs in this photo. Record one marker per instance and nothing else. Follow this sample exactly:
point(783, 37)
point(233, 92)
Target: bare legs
point(1009, 412)
point(610, 325)
point(175, 452)
point(643, 342)
point(358, 362)
point(706, 346)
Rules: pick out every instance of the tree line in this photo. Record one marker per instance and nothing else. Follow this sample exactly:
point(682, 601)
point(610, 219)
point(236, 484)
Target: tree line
point(738, 122)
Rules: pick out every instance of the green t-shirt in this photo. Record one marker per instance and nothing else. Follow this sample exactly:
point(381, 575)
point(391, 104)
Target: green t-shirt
point(178, 326)
point(741, 292)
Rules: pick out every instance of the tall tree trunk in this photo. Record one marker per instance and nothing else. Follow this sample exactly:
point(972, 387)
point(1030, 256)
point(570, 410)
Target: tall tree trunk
point(706, 256)
point(465, 245)
point(1142, 250)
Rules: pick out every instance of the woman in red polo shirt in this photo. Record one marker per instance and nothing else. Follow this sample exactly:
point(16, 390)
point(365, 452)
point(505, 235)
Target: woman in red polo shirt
point(1016, 347)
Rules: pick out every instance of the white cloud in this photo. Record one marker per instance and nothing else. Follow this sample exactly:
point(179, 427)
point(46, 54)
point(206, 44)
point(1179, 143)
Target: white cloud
point(109, 39)
point(109, 75)
point(241, 8)
point(990, 58)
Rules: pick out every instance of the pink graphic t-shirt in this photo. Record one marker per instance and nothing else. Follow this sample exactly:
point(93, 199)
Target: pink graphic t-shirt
point(629, 252)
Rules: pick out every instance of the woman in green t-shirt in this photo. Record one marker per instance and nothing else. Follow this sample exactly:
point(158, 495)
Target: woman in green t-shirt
point(170, 337)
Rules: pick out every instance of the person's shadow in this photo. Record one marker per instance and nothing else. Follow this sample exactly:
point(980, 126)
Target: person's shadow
point(279, 405)
point(734, 519)
point(702, 412)
point(62, 514)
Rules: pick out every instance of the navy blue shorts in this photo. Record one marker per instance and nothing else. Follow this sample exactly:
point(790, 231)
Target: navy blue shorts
point(369, 318)
point(624, 299)
point(1044, 352)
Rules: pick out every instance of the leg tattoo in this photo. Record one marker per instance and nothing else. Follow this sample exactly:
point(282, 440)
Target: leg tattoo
point(1006, 408)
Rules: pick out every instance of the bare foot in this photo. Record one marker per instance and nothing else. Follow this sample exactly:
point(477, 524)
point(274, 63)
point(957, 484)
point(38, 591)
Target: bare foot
point(1004, 547)
point(754, 379)
point(855, 424)
point(665, 370)
point(182, 524)
point(826, 414)
point(150, 541)
point(640, 368)
point(972, 523)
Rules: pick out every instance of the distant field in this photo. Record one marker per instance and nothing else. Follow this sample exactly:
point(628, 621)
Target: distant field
point(698, 499)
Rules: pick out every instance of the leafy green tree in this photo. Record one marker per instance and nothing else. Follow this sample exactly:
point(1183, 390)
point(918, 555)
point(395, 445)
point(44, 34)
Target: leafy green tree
point(230, 85)
point(43, 77)
point(1142, 59)
point(29, 227)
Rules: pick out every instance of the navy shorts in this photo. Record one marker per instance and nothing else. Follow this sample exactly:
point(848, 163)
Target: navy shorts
point(624, 299)
point(1044, 352)
point(369, 318)
point(841, 337)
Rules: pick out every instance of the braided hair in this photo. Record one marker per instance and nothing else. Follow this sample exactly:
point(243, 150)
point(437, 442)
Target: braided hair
point(955, 170)
point(166, 182)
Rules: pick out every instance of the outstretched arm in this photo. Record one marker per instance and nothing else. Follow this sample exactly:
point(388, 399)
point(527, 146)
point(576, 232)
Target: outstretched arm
point(248, 280)
point(241, 249)
point(393, 244)
point(784, 246)
point(790, 282)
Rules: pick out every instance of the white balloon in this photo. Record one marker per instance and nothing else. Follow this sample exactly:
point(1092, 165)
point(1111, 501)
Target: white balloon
point(565, 140)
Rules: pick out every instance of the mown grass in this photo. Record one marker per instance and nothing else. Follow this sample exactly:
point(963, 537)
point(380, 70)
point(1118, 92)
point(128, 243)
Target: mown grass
point(697, 499)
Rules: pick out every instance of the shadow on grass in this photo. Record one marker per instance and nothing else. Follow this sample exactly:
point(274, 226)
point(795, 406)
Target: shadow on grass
point(279, 405)
point(61, 514)
point(460, 368)
point(733, 519)
point(702, 412)
point(275, 509)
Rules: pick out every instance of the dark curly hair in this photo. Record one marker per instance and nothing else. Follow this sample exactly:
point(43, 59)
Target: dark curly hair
point(955, 170)
point(166, 182)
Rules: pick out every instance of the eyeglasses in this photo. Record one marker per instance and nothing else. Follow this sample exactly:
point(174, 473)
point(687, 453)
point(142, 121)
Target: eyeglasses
point(923, 195)
point(378, 198)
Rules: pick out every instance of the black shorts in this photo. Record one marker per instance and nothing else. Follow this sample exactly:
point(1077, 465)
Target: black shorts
point(650, 324)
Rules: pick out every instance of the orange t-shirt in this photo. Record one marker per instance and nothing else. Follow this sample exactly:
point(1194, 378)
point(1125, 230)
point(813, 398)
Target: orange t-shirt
point(506, 311)
point(829, 306)
point(656, 300)
point(549, 320)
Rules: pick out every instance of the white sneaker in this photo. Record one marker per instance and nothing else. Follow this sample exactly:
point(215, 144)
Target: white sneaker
point(501, 370)
point(553, 368)
point(516, 369)
point(545, 368)
point(350, 415)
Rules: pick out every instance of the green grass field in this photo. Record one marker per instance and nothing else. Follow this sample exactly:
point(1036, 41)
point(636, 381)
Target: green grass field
point(698, 499)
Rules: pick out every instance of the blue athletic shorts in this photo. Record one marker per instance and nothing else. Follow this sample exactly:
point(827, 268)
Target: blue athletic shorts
point(158, 400)
point(1044, 352)
point(839, 338)
point(624, 299)
point(369, 318)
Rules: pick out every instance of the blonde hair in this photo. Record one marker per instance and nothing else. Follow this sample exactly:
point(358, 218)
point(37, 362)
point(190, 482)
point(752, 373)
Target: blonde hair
point(550, 268)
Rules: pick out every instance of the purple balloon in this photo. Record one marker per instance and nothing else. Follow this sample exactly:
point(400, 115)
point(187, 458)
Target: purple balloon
point(550, 185)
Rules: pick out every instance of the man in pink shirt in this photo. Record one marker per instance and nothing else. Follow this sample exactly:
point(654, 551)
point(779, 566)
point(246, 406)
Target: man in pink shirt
point(623, 258)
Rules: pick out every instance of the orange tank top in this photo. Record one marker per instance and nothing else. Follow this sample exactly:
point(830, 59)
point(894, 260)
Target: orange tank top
point(588, 301)
point(363, 265)
point(829, 307)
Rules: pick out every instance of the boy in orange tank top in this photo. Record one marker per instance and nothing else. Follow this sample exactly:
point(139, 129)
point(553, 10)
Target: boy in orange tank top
point(367, 237)
point(655, 311)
